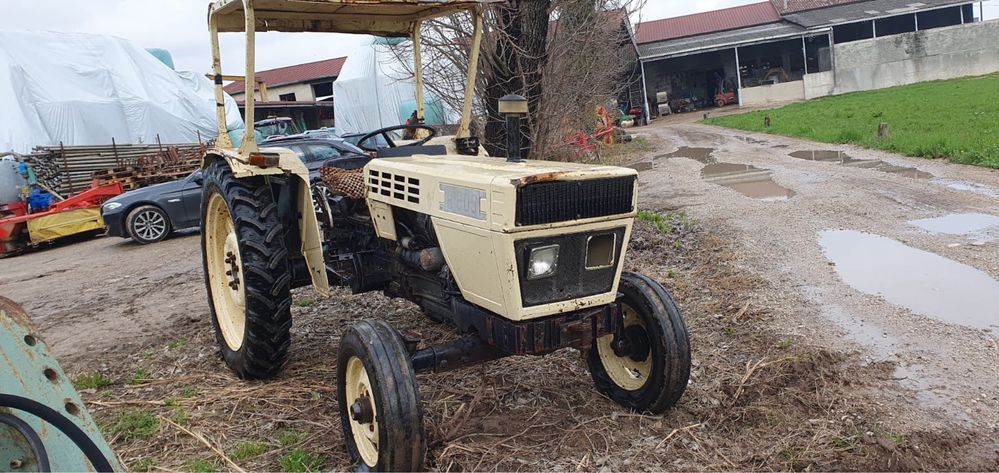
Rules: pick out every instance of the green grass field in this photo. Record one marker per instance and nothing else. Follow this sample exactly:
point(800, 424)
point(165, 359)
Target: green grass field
point(954, 119)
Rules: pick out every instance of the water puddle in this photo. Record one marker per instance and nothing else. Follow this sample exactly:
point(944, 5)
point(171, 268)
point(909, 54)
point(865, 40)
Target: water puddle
point(748, 180)
point(839, 157)
point(643, 166)
point(969, 187)
point(981, 226)
point(701, 155)
point(922, 282)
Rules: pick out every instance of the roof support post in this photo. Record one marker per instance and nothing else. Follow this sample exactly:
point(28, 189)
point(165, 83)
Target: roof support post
point(223, 140)
point(874, 27)
point(418, 60)
point(804, 53)
point(645, 93)
point(738, 75)
point(249, 144)
point(473, 69)
point(962, 13)
point(915, 18)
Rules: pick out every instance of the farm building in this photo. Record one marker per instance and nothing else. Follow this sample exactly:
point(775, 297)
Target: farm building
point(786, 50)
point(303, 92)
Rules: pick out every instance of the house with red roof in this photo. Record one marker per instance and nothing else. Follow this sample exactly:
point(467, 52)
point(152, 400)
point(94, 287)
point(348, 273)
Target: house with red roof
point(787, 50)
point(303, 92)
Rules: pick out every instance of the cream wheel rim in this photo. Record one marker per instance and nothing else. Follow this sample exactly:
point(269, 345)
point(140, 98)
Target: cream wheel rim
point(358, 388)
point(627, 373)
point(225, 271)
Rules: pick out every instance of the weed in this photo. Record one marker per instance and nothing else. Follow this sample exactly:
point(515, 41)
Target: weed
point(728, 331)
point(899, 439)
point(180, 415)
point(135, 424)
point(141, 376)
point(289, 438)
point(248, 450)
point(299, 460)
point(671, 274)
point(306, 302)
point(94, 380)
point(847, 443)
point(177, 344)
point(170, 402)
point(202, 466)
point(785, 343)
point(144, 465)
point(188, 393)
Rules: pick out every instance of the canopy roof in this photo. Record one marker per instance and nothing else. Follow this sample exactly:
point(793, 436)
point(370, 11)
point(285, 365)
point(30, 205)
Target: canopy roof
point(376, 17)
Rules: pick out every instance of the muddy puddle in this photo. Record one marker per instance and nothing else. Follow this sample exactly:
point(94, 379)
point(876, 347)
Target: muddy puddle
point(750, 181)
point(923, 282)
point(839, 157)
point(981, 226)
point(701, 155)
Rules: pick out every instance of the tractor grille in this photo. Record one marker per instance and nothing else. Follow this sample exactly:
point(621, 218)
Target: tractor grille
point(561, 201)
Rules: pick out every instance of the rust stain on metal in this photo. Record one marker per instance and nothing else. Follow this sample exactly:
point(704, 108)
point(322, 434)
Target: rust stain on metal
point(16, 312)
point(545, 177)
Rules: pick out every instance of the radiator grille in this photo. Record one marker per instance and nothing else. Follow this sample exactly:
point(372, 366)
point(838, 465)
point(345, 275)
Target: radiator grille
point(561, 201)
point(406, 189)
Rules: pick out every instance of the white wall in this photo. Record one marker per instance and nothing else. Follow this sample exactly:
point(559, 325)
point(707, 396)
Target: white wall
point(937, 54)
point(764, 94)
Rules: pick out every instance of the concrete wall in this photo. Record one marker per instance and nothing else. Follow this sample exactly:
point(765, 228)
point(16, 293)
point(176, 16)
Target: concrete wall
point(937, 54)
point(303, 93)
point(786, 92)
point(819, 84)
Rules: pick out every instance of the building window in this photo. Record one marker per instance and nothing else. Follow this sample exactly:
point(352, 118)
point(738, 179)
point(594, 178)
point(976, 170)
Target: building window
point(323, 89)
point(287, 97)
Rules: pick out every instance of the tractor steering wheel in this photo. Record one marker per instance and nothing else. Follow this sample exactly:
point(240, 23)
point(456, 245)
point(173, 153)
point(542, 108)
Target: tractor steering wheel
point(385, 134)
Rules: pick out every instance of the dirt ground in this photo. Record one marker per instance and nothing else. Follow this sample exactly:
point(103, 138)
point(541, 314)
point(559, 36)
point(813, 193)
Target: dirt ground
point(793, 368)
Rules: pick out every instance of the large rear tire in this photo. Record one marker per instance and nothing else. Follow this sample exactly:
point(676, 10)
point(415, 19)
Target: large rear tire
point(380, 408)
point(247, 274)
point(649, 371)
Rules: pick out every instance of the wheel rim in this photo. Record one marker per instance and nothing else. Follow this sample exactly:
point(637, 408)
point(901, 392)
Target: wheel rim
point(225, 272)
point(149, 225)
point(360, 395)
point(627, 373)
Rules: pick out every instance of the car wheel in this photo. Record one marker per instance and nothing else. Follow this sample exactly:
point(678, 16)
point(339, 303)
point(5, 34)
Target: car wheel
point(148, 224)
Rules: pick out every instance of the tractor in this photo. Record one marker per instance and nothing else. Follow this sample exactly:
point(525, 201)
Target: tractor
point(520, 257)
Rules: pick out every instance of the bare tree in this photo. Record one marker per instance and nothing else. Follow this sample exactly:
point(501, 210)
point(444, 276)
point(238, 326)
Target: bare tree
point(567, 57)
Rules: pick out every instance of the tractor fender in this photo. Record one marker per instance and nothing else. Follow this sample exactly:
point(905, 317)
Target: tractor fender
point(289, 164)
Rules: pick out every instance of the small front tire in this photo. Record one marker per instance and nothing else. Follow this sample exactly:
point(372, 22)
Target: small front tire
point(380, 408)
point(649, 371)
point(147, 224)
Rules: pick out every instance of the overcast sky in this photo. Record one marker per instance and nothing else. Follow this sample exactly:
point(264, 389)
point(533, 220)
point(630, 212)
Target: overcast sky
point(180, 26)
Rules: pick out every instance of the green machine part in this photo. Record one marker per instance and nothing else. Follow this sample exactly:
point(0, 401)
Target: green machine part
point(43, 423)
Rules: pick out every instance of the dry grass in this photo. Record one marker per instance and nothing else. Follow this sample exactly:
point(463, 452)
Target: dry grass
point(757, 399)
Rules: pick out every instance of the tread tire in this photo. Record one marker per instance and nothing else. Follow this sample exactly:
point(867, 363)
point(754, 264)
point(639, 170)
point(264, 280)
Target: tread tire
point(670, 346)
point(402, 442)
point(130, 221)
point(265, 272)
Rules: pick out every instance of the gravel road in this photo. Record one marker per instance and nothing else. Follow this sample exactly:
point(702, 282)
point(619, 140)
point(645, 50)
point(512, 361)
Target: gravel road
point(950, 359)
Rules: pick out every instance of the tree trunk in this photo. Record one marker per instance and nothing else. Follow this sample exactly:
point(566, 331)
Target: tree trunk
point(519, 59)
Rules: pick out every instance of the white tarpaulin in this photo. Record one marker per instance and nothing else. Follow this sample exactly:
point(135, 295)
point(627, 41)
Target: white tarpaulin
point(374, 90)
point(82, 89)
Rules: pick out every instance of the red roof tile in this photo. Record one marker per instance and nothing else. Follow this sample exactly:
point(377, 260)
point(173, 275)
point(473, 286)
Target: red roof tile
point(708, 22)
point(294, 74)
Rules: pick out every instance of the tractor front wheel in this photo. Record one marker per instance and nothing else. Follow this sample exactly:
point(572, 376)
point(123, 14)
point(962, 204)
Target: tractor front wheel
point(646, 366)
point(246, 272)
point(380, 408)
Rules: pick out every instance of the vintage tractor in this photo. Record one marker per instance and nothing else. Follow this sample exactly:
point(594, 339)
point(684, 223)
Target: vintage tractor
point(520, 257)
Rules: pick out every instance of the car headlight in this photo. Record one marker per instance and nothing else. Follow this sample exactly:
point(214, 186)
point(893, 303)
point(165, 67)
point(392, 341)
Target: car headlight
point(111, 206)
point(542, 262)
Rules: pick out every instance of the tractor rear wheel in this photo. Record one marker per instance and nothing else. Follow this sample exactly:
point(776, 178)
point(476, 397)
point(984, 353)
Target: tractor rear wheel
point(380, 408)
point(647, 367)
point(246, 272)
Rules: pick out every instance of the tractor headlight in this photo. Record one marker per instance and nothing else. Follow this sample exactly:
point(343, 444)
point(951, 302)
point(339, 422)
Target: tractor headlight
point(542, 262)
point(111, 206)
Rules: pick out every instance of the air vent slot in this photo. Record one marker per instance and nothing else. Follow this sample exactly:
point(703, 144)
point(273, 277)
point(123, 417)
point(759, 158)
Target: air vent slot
point(396, 186)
